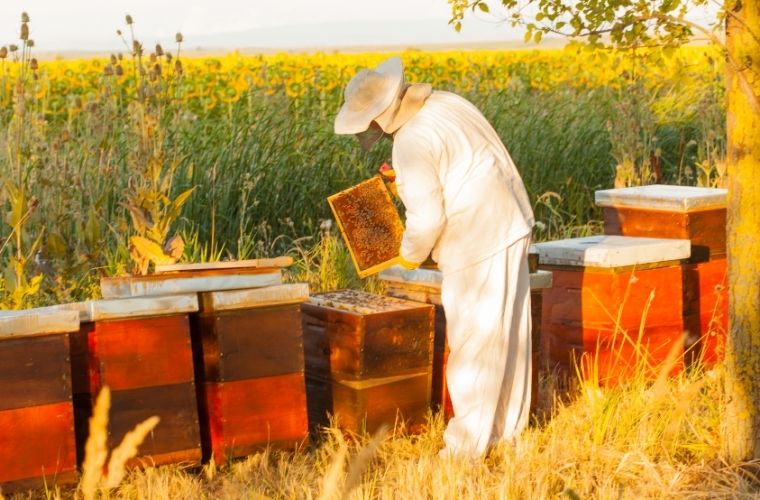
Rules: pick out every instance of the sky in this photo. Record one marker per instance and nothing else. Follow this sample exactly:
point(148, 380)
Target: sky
point(91, 25)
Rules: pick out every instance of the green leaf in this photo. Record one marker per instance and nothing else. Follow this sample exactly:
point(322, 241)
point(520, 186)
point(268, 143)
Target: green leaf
point(150, 250)
point(537, 37)
point(528, 36)
point(182, 198)
point(483, 7)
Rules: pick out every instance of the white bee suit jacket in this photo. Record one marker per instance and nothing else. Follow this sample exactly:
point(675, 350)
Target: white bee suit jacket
point(466, 203)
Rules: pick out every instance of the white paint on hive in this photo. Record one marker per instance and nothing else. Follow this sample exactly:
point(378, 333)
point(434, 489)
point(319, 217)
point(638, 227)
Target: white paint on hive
point(612, 251)
point(663, 197)
point(139, 286)
point(130, 307)
point(433, 277)
point(229, 300)
point(28, 322)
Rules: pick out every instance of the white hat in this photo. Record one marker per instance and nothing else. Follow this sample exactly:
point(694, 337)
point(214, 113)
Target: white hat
point(368, 94)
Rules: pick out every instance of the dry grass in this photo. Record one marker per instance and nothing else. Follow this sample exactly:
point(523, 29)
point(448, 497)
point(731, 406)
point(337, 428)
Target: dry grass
point(642, 440)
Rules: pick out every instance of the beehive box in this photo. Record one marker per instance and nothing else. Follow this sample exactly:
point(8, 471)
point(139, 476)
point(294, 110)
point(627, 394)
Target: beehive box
point(424, 285)
point(249, 362)
point(140, 348)
point(370, 225)
point(697, 214)
point(599, 311)
point(368, 358)
point(37, 444)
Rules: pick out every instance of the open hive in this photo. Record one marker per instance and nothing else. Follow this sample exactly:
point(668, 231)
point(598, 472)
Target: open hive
point(368, 359)
point(370, 225)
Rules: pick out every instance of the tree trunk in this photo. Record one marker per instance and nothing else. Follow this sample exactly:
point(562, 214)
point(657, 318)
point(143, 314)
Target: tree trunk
point(742, 432)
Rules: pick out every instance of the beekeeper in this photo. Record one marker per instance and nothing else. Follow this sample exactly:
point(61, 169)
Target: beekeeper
point(467, 207)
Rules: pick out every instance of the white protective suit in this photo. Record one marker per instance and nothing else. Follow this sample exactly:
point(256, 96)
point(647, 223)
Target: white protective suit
point(466, 203)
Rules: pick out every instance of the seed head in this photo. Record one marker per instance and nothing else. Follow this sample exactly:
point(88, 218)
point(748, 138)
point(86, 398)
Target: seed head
point(33, 64)
point(178, 66)
point(119, 70)
point(120, 56)
point(129, 19)
point(108, 70)
point(30, 43)
point(118, 33)
point(12, 48)
point(157, 69)
point(113, 59)
point(153, 58)
point(168, 57)
point(24, 31)
point(24, 17)
point(178, 38)
point(159, 50)
point(136, 48)
point(3, 52)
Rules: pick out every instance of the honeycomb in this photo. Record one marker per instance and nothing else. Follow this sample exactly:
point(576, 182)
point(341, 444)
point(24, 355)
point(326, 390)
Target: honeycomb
point(370, 225)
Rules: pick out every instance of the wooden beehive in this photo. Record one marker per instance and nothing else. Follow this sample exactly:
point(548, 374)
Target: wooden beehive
point(368, 358)
point(424, 285)
point(370, 225)
point(658, 211)
point(706, 310)
point(615, 305)
point(37, 443)
point(249, 362)
point(140, 348)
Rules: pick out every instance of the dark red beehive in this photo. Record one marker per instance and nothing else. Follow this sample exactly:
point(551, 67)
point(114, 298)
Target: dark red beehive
point(368, 359)
point(37, 446)
point(249, 362)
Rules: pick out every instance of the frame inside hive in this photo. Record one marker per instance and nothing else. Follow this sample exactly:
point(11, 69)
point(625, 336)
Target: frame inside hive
point(370, 225)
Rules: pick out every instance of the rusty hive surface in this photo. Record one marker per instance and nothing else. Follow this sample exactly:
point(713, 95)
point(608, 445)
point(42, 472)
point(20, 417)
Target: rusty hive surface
point(370, 225)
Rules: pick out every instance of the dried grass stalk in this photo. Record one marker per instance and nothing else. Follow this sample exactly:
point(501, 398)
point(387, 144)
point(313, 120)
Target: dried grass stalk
point(126, 450)
point(96, 449)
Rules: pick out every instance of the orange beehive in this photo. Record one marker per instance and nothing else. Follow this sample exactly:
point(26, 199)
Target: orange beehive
point(370, 225)
point(424, 285)
point(368, 359)
point(694, 213)
point(140, 348)
point(615, 304)
point(249, 362)
point(37, 446)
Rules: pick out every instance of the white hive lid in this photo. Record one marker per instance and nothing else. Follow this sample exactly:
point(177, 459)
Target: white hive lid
point(37, 322)
point(663, 197)
point(130, 307)
point(229, 300)
point(433, 278)
point(612, 251)
point(166, 284)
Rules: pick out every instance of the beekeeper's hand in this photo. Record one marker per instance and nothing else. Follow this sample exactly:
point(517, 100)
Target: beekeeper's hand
point(389, 176)
point(407, 264)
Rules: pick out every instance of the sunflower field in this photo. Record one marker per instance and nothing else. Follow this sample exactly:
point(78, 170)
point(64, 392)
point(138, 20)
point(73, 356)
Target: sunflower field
point(232, 157)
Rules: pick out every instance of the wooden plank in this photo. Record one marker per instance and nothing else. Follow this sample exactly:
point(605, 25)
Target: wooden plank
point(140, 353)
point(663, 197)
point(612, 251)
point(178, 432)
point(37, 446)
point(188, 282)
point(251, 343)
point(30, 322)
point(34, 371)
point(245, 416)
point(131, 307)
point(283, 261)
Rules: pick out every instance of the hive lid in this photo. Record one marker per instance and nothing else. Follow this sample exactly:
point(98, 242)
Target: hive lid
point(227, 264)
point(170, 284)
point(663, 197)
point(130, 307)
point(293, 293)
point(361, 302)
point(370, 225)
point(36, 322)
point(433, 278)
point(612, 251)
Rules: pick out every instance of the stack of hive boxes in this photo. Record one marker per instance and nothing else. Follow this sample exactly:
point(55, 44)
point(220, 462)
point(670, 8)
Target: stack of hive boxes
point(245, 343)
point(368, 359)
point(615, 305)
point(424, 285)
point(37, 446)
point(140, 348)
point(699, 215)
